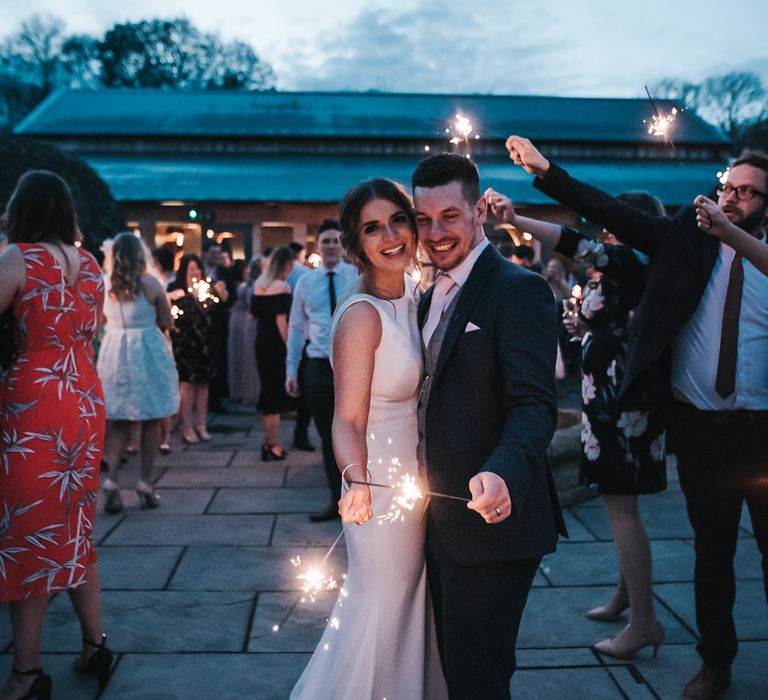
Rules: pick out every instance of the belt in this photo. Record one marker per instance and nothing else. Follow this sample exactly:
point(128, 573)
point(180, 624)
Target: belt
point(739, 417)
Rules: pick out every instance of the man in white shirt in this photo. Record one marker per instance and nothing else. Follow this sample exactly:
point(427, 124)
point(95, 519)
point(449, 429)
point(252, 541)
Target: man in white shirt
point(699, 336)
point(314, 301)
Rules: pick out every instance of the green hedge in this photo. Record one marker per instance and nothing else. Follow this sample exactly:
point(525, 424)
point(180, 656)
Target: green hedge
point(97, 211)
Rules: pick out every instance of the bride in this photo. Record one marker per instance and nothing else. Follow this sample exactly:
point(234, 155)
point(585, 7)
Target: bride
point(380, 642)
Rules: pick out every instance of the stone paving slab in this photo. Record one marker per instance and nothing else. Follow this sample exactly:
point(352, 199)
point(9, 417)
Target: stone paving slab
point(172, 501)
point(300, 632)
point(564, 683)
point(594, 563)
point(675, 665)
point(282, 500)
point(298, 530)
point(224, 477)
point(248, 568)
point(192, 530)
point(205, 676)
point(250, 456)
point(191, 458)
point(137, 568)
point(577, 532)
point(305, 476)
point(749, 612)
point(158, 622)
point(554, 618)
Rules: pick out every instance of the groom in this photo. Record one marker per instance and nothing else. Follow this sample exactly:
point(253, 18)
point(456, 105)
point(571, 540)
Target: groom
point(486, 416)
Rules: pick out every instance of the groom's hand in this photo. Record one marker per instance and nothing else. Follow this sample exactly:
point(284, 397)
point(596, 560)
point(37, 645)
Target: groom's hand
point(490, 497)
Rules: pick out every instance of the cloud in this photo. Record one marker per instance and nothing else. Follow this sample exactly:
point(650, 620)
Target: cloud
point(434, 48)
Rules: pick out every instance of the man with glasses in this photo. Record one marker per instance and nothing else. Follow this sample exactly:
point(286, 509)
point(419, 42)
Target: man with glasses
point(699, 342)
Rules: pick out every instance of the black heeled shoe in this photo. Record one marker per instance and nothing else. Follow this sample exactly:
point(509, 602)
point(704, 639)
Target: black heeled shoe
point(268, 452)
point(99, 663)
point(41, 686)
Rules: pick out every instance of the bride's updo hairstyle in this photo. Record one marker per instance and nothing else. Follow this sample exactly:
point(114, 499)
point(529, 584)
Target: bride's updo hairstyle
point(352, 204)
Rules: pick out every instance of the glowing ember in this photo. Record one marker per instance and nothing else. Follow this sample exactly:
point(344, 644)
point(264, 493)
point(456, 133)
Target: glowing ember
point(661, 124)
point(176, 311)
point(460, 133)
point(202, 291)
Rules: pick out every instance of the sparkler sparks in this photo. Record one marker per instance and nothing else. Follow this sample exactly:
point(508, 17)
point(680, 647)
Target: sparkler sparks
point(661, 124)
point(460, 132)
point(202, 291)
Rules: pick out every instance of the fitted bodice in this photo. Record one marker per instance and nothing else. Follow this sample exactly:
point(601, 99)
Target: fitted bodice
point(398, 360)
point(129, 315)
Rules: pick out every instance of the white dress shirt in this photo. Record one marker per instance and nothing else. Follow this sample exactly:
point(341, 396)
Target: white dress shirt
point(310, 317)
point(696, 349)
point(459, 275)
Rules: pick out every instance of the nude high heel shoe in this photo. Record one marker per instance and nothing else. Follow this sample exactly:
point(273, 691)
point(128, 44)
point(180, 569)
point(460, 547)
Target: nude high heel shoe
point(628, 642)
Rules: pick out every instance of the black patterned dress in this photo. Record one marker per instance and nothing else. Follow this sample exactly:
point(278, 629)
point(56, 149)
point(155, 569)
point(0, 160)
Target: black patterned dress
point(194, 340)
point(623, 441)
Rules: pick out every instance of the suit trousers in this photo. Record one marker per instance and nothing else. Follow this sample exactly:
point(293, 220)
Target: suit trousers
point(303, 414)
point(721, 466)
point(318, 384)
point(477, 617)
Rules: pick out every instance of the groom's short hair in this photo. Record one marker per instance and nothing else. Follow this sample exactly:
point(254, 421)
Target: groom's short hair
point(444, 168)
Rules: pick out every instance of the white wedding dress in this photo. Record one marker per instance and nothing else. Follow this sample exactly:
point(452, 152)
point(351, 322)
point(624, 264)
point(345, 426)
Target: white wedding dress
point(380, 640)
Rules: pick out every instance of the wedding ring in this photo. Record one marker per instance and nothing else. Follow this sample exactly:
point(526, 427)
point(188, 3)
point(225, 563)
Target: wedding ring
point(498, 512)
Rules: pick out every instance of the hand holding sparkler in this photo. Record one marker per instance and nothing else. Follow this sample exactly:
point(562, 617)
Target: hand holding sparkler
point(490, 497)
point(355, 504)
point(710, 217)
point(500, 207)
point(523, 153)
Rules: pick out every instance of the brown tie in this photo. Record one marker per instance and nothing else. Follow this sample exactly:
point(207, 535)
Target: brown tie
point(725, 384)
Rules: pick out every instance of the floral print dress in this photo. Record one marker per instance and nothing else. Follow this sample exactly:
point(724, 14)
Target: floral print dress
point(51, 430)
point(623, 441)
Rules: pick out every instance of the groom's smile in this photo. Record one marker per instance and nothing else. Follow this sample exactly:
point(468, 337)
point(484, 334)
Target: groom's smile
point(449, 226)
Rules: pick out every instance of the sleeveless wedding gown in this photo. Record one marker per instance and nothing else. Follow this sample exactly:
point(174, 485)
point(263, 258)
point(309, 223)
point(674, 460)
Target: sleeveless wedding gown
point(380, 641)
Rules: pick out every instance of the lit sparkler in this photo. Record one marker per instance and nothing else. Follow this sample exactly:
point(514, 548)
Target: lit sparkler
point(202, 291)
point(460, 133)
point(314, 580)
point(661, 123)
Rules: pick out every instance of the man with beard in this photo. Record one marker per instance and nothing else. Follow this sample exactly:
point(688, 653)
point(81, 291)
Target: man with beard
point(699, 339)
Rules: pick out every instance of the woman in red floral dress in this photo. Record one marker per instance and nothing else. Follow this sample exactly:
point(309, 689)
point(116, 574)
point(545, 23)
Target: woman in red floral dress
point(51, 429)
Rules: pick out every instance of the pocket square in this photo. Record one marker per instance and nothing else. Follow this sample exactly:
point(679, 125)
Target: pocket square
point(471, 327)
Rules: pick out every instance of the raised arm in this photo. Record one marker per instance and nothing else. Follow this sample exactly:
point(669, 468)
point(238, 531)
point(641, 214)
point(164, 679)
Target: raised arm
point(501, 210)
point(713, 221)
point(631, 226)
point(357, 336)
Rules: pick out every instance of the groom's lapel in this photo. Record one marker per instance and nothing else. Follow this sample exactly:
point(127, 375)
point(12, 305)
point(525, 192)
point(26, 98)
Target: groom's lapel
point(478, 278)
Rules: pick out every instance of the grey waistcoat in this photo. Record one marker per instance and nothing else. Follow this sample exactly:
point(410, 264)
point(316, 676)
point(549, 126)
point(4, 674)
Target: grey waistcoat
point(431, 353)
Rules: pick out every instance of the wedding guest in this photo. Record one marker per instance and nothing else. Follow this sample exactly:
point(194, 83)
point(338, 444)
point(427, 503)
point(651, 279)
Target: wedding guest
point(250, 379)
point(136, 368)
point(53, 430)
point(238, 317)
point(194, 345)
point(623, 445)
point(523, 255)
point(303, 414)
point(270, 304)
point(554, 273)
point(314, 301)
point(698, 289)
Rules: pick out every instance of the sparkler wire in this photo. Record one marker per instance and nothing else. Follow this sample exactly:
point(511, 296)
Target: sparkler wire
point(426, 493)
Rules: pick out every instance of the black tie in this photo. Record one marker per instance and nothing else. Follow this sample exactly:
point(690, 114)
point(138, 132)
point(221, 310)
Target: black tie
point(332, 292)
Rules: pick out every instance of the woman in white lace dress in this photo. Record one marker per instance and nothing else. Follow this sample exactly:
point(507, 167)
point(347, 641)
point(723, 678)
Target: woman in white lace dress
point(380, 641)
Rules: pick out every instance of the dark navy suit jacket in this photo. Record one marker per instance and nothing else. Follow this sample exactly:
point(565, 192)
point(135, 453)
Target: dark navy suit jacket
point(492, 407)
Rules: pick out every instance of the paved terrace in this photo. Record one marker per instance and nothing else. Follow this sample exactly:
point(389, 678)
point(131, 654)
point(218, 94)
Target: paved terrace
point(191, 591)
